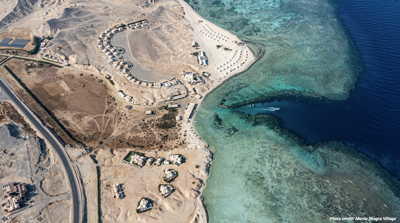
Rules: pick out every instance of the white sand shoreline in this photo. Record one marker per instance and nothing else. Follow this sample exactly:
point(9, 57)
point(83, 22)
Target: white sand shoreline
point(217, 78)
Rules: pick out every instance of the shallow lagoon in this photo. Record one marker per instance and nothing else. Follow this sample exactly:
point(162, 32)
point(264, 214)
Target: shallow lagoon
point(305, 49)
point(259, 173)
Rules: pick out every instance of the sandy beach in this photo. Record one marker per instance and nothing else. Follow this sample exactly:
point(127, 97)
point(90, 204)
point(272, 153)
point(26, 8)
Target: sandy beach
point(208, 35)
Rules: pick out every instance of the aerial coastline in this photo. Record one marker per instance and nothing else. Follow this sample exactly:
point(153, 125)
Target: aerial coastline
point(154, 111)
point(189, 129)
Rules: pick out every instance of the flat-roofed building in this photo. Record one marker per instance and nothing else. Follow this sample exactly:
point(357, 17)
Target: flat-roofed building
point(15, 195)
point(190, 111)
point(149, 112)
point(202, 58)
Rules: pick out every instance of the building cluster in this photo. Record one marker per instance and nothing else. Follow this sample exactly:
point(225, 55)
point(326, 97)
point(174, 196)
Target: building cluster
point(54, 57)
point(140, 160)
point(165, 188)
point(14, 196)
point(45, 42)
point(146, 204)
point(193, 78)
point(47, 54)
point(169, 83)
point(128, 98)
point(174, 94)
point(116, 59)
point(115, 54)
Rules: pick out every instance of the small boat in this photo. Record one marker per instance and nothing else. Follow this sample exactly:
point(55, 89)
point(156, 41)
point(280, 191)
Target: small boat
point(272, 109)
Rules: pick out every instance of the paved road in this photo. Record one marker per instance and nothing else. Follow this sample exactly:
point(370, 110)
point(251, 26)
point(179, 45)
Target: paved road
point(58, 148)
point(32, 59)
point(4, 60)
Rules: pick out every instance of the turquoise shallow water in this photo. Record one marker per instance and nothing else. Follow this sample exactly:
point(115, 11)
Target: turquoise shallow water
point(305, 47)
point(259, 173)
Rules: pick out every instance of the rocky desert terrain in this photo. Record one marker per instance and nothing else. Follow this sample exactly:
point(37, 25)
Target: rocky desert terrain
point(112, 78)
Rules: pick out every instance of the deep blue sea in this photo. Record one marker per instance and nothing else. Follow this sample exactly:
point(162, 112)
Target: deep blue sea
point(369, 119)
point(321, 48)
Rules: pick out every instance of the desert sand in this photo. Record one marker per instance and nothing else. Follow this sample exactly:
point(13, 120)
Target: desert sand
point(84, 95)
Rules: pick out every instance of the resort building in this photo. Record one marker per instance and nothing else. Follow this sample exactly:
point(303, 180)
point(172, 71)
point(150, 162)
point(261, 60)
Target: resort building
point(202, 58)
point(14, 196)
point(119, 191)
point(190, 111)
